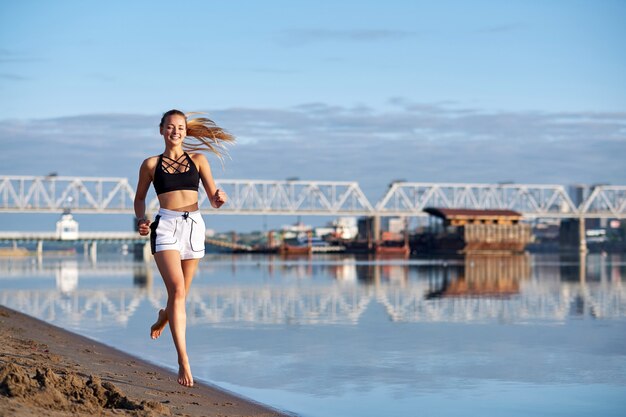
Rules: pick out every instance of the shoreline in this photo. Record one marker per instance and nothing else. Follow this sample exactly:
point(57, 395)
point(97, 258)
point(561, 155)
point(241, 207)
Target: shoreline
point(48, 371)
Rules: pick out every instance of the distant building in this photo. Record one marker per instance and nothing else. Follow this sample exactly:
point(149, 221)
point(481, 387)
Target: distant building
point(578, 193)
point(581, 192)
point(291, 231)
point(396, 225)
point(471, 231)
point(365, 228)
point(67, 227)
point(546, 230)
point(346, 227)
point(342, 228)
point(324, 231)
point(392, 224)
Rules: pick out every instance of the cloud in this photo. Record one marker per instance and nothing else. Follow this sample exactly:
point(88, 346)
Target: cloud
point(7, 56)
point(300, 37)
point(421, 122)
point(316, 141)
point(12, 77)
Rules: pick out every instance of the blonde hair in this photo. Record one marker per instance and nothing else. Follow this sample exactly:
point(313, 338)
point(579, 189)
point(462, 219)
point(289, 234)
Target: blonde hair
point(203, 135)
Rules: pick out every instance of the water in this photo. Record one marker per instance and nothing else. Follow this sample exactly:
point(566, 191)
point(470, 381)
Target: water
point(330, 337)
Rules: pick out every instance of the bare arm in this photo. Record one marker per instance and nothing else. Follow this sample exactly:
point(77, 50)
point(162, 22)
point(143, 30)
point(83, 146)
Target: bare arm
point(143, 184)
point(216, 196)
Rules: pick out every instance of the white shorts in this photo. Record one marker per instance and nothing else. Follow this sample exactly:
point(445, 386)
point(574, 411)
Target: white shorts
point(178, 230)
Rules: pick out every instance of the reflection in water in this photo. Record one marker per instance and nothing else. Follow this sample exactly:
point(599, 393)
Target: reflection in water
point(143, 277)
point(67, 276)
point(503, 336)
point(485, 276)
point(478, 289)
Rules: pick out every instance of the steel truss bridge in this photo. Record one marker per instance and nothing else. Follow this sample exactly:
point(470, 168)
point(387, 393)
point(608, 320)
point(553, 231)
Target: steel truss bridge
point(53, 194)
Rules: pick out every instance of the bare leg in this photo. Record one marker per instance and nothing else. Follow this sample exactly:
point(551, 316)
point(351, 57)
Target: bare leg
point(159, 325)
point(189, 269)
point(170, 267)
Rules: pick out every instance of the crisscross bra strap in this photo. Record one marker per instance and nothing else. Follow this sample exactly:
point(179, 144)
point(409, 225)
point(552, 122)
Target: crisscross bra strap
point(175, 166)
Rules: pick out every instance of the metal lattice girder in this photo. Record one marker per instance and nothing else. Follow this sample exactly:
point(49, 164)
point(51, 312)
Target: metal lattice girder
point(288, 197)
point(115, 195)
point(605, 201)
point(54, 194)
point(410, 198)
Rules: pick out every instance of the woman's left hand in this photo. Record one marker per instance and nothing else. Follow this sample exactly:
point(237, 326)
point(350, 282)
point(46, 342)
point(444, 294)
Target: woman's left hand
point(219, 198)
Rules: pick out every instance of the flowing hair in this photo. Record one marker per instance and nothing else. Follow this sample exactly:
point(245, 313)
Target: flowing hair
point(203, 135)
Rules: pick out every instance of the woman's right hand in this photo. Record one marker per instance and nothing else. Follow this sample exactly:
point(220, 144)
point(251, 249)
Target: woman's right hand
point(144, 227)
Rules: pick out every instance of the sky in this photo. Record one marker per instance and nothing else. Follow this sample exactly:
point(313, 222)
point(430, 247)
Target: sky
point(454, 91)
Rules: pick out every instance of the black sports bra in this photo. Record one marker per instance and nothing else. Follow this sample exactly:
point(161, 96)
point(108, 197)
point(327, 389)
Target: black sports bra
point(185, 175)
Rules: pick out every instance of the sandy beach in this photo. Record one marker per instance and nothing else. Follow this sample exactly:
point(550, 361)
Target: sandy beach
point(48, 371)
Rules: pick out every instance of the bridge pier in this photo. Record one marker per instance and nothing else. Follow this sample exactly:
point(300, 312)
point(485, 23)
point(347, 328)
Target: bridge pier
point(582, 241)
point(376, 228)
point(39, 247)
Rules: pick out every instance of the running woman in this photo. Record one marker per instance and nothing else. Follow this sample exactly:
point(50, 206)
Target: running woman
point(177, 232)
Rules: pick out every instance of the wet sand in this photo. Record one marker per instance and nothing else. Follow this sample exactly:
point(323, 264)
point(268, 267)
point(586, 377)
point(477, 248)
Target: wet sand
point(48, 371)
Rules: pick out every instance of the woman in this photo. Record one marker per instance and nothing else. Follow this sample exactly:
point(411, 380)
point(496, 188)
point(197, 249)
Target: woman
point(177, 232)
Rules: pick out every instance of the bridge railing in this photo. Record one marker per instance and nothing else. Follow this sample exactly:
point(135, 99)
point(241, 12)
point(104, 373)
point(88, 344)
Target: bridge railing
point(532, 200)
point(288, 197)
point(115, 195)
point(606, 200)
point(55, 194)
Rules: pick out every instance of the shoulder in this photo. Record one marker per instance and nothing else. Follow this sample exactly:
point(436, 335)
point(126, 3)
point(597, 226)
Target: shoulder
point(199, 159)
point(150, 163)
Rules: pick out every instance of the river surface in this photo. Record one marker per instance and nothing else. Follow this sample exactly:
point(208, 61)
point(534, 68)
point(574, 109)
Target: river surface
point(540, 335)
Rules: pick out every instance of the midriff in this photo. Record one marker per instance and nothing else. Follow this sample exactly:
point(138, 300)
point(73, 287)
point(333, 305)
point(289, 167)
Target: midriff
point(179, 200)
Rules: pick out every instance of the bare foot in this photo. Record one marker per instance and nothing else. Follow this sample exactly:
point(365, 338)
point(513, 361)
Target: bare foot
point(184, 375)
point(157, 328)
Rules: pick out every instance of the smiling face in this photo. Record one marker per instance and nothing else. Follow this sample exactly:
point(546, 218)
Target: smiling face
point(174, 130)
